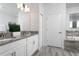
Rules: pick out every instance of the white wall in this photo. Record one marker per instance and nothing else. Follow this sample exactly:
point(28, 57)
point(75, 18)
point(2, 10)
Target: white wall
point(34, 17)
point(29, 21)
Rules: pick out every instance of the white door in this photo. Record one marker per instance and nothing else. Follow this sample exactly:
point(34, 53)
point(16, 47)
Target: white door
point(41, 31)
point(55, 30)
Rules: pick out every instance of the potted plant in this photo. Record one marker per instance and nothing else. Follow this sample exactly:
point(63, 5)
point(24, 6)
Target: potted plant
point(14, 28)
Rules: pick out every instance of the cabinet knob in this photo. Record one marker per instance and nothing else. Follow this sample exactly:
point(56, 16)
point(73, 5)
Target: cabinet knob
point(33, 42)
point(14, 53)
point(60, 32)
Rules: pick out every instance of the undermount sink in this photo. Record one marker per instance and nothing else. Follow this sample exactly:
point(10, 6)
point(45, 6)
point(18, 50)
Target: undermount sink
point(28, 34)
point(76, 38)
point(73, 38)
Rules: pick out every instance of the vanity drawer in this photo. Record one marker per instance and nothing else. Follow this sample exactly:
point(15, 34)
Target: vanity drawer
point(69, 44)
point(77, 44)
point(12, 45)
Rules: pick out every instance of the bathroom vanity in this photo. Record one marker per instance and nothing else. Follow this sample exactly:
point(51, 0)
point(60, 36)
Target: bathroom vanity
point(19, 46)
point(72, 44)
point(72, 40)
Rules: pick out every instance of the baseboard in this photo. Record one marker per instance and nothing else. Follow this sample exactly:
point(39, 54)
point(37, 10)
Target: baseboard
point(56, 47)
point(35, 52)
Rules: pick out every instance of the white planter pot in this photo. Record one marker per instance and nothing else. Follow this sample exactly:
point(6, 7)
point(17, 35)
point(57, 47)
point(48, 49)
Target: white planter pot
point(16, 34)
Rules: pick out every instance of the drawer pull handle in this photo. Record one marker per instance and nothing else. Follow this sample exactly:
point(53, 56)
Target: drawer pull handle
point(33, 42)
point(14, 53)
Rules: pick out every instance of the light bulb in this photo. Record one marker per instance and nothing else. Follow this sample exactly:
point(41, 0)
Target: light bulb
point(18, 5)
point(21, 4)
point(25, 6)
point(28, 9)
point(22, 8)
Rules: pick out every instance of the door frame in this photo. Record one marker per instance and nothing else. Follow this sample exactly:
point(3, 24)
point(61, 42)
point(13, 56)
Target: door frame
point(40, 14)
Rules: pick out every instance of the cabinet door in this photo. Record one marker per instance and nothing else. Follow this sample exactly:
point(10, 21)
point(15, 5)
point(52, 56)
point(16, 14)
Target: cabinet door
point(35, 43)
point(32, 45)
point(20, 51)
point(9, 53)
point(29, 46)
point(17, 48)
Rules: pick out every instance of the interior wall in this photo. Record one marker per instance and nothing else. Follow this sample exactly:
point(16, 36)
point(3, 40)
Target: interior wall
point(29, 21)
point(34, 16)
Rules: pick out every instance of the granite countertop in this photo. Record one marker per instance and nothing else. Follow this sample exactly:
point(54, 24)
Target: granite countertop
point(13, 39)
point(71, 40)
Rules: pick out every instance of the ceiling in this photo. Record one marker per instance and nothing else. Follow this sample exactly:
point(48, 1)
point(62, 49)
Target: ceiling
point(69, 5)
point(9, 8)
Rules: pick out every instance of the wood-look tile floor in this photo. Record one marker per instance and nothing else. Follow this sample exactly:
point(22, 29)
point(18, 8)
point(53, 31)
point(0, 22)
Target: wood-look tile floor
point(54, 51)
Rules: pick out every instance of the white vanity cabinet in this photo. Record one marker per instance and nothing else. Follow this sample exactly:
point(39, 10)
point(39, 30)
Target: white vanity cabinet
point(35, 43)
point(22, 47)
point(7, 53)
point(17, 48)
point(32, 45)
point(19, 51)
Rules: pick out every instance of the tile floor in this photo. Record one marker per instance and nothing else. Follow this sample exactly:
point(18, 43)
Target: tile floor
point(55, 51)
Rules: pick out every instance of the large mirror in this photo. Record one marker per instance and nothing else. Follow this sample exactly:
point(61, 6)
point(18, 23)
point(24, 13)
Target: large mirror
point(74, 20)
point(8, 14)
point(14, 18)
point(72, 11)
point(19, 17)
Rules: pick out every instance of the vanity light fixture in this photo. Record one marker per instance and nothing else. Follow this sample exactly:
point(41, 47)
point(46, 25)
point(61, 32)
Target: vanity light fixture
point(23, 7)
point(27, 9)
point(18, 5)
